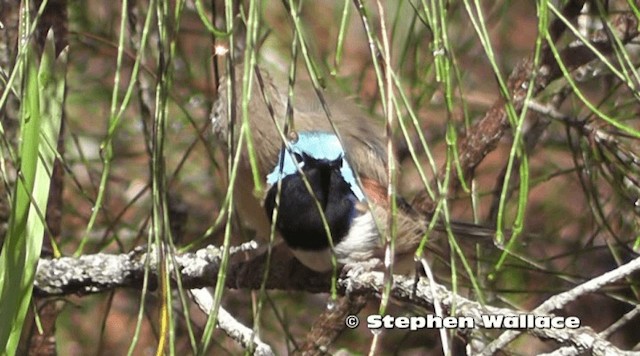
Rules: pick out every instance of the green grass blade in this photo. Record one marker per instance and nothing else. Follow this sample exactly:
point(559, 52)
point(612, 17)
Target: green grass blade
point(41, 112)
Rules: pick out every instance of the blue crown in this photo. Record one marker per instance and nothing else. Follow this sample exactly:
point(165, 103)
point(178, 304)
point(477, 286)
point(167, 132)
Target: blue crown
point(318, 145)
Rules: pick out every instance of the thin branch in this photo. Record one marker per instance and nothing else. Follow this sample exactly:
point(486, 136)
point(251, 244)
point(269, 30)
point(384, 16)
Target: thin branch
point(232, 327)
point(558, 301)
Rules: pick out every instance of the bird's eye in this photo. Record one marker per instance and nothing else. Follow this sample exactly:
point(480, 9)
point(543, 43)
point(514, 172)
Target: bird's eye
point(293, 137)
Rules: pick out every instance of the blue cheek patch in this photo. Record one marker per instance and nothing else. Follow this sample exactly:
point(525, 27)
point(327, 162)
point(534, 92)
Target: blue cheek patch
point(318, 145)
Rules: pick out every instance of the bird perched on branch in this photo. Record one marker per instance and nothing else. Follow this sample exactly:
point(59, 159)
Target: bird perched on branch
point(311, 177)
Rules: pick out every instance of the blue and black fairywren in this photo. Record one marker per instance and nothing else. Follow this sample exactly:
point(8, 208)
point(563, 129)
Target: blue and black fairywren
point(355, 211)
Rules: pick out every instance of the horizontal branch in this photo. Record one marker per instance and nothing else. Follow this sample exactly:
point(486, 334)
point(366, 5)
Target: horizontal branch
point(102, 272)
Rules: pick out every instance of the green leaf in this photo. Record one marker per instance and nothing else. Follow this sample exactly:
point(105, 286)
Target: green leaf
point(41, 112)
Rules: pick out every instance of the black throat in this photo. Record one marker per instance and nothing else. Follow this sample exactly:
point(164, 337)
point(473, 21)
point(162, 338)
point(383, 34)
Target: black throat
point(299, 221)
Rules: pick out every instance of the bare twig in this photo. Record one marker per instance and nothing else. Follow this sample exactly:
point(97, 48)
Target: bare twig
point(558, 301)
point(232, 327)
point(632, 314)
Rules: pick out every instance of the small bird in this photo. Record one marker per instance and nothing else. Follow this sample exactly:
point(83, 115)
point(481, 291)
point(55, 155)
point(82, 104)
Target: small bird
point(333, 189)
point(315, 171)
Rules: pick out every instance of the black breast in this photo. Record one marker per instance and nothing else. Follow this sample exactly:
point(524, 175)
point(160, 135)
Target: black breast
point(299, 221)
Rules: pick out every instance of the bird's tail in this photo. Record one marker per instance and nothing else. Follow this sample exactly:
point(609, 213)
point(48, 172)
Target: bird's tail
point(413, 227)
